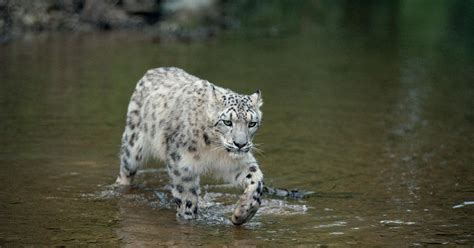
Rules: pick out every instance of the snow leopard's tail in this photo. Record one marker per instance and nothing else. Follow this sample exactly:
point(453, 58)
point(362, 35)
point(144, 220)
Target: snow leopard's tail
point(279, 192)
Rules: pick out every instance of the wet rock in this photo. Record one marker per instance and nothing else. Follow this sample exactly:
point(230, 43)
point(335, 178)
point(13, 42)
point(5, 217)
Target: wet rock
point(106, 15)
point(141, 6)
point(177, 20)
point(190, 13)
point(71, 6)
point(187, 21)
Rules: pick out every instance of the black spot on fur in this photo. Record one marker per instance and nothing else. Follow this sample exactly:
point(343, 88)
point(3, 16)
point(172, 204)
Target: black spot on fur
point(194, 191)
point(176, 173)
point(253, 168)
point(131, 142)
point(171, 137)
point(125, 162)
point(249, 175)
point(195, 210)
point(258, 200)
point(189, 204)
point(252, 182)
point(175, 157)
point(127, 152)
point(178, 202)
point(188, 179)
point(259, 187)
point(206, 139)
point(180, 188)
point(192, 148)
point(153, 130)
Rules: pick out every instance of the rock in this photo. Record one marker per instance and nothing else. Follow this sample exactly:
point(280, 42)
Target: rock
point(71, 6)
point(187, 21)
point(187, 5)
point(141, 6)
point(187, 13)
point(3, 3)
point(106, 16)
point(173, 20)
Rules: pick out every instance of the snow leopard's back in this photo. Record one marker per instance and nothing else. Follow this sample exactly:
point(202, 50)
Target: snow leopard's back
point(166, 111)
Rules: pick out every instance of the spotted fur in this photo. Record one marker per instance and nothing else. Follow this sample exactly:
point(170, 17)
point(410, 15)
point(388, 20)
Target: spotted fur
point(194, 127)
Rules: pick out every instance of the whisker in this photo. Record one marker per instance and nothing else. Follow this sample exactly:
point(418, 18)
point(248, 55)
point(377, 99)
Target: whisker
point(218, 148)
point(258, 144)
point(258, 150)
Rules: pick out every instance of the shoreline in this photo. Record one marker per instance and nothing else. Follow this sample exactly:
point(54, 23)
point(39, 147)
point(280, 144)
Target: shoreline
point(167, 20)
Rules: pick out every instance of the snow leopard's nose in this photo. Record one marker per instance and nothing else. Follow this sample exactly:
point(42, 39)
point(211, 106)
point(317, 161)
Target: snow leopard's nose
point(240, 145)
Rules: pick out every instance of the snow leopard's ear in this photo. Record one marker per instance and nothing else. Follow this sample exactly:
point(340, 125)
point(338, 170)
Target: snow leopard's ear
point(256, 99)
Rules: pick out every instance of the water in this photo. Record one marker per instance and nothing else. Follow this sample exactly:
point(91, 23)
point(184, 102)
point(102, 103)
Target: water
point(379, 124)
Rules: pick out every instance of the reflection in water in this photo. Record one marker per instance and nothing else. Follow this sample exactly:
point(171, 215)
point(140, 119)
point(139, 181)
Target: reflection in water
point(408, 112)
point(371, 108)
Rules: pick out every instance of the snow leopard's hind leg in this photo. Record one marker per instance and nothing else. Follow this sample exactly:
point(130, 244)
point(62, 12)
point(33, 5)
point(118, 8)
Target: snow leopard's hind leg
point(131, 157)
point(132, 149)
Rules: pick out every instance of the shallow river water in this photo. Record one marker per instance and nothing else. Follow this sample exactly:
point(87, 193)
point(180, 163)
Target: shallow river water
point(380, 125)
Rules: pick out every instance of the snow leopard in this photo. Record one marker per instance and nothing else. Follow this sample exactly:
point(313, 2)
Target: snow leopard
point(194, 127)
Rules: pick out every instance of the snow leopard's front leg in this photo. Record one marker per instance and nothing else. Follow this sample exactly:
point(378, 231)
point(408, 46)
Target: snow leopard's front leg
point(251, 178)
point(185, 187)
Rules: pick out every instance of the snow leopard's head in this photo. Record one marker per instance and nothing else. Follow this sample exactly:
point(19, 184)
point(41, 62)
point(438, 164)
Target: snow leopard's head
point(236, 119)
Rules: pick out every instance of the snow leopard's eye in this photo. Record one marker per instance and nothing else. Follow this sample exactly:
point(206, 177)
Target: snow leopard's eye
point(252, 124)
point(227, 123)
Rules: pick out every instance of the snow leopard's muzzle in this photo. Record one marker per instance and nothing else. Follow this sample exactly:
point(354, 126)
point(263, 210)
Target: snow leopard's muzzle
point(240, 141)
point(239, 148)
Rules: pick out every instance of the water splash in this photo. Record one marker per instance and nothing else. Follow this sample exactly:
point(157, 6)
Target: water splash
point(215, 207)
point(464, 204)
point(334, 224)
point(396, 222)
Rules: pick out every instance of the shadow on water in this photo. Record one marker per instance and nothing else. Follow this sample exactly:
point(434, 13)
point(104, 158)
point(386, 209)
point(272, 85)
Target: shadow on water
point(371, 106)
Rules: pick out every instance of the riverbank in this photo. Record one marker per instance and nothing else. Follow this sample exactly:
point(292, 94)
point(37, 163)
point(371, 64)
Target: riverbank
point(167, 20)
